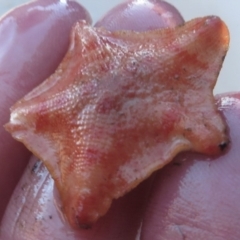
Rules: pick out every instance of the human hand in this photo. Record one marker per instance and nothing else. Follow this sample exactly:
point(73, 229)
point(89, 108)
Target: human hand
point(193, 199)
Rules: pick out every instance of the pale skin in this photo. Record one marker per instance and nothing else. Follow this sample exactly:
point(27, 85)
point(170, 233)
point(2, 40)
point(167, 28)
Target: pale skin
point(194, 198)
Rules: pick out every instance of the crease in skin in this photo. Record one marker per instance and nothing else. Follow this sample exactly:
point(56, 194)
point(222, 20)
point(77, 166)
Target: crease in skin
point(120, 106)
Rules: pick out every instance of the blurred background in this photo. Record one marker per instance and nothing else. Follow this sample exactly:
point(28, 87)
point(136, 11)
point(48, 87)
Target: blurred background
point(229, 79)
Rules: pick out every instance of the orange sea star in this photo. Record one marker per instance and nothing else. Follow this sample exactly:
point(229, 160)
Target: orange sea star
point(120, 106)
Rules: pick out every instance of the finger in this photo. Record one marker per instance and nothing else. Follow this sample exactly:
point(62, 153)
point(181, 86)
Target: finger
point(197, 197)
point(141, 16)
point(121, 222)
point(33, 40)
point(32, 214)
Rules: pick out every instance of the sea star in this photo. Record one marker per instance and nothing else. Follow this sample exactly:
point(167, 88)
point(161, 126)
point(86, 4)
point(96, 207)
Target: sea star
point(120, 106)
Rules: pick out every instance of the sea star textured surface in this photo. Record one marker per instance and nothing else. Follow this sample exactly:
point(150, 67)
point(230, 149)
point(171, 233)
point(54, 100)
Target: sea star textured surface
point(120, 106)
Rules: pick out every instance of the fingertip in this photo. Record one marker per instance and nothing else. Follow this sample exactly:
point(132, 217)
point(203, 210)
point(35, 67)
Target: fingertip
point(33, 39)
point(194, 190)
point(141, 15)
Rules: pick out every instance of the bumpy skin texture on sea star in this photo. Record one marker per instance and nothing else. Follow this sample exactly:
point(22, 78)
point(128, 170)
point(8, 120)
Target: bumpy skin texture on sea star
point(120, 106)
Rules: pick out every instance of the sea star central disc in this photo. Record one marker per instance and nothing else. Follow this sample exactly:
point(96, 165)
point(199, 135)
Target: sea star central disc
point(120, 106)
